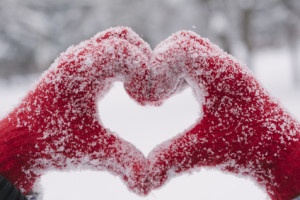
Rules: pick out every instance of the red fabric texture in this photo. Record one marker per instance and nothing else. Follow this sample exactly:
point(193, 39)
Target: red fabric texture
point(56, 125)
point(242, 129)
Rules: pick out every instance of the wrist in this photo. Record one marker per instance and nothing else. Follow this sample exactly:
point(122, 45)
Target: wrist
point(16, 150)
point(286, 172)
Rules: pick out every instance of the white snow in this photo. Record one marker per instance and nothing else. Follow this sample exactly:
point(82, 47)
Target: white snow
point(147, 126)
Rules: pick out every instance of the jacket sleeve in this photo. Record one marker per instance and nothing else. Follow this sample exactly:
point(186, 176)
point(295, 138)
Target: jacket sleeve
point(8, 191)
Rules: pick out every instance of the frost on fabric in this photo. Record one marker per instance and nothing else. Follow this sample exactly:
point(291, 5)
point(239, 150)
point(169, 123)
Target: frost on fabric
point(243, 129)
point(56, 126)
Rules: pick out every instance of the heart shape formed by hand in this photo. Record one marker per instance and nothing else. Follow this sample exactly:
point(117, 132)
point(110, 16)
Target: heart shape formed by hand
point(243, 130)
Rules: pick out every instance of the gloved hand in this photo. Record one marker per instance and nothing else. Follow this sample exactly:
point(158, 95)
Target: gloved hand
point(242, 128)
point(56, 126)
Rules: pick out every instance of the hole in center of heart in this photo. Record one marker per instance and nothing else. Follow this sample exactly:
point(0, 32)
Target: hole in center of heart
point(147, 126)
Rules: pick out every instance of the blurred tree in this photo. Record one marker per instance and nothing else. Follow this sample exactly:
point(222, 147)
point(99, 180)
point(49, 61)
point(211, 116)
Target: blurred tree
point(293, 33)
point(250, 25)
point(32, 33)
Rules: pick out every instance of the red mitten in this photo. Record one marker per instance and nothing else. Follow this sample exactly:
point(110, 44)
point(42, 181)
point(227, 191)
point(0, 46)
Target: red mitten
point(242, 129)
point(56, 126)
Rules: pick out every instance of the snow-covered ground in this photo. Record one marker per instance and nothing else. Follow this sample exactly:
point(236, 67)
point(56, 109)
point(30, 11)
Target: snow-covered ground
point(147, 126)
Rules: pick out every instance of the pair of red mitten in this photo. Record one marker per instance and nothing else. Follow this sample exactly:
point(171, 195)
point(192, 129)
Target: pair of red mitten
point(242, 130)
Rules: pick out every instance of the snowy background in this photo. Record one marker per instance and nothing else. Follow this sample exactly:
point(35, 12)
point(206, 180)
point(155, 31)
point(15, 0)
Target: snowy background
point(263, 34)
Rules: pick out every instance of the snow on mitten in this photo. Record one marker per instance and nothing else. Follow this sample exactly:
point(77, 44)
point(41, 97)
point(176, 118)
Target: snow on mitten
point(56, 125)
point(242, 129)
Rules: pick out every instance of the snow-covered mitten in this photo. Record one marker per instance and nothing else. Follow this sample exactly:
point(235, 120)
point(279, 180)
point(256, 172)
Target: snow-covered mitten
point(242, 129)
point(56, 126)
